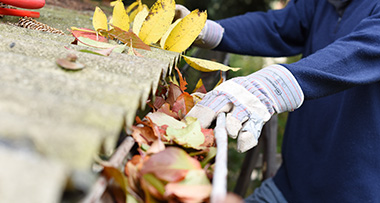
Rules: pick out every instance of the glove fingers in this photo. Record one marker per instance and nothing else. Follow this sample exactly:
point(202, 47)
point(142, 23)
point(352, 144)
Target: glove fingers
point(246, 141)
point(204, 115)
point(249, 134)
point(234, 123)
point(233, 126)
point(210, 106)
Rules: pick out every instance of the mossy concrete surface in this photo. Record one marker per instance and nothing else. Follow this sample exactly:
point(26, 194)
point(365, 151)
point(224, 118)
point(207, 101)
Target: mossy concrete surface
point(53, 122)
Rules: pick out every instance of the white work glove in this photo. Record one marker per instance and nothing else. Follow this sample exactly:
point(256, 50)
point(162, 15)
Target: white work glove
point(211, 34)
point(250, 102)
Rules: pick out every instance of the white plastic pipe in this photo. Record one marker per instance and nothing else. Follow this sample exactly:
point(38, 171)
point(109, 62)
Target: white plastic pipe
point(219, 183)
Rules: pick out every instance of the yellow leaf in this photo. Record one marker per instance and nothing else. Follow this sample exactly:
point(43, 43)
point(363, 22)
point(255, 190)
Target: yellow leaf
point(81, 29)
point(174, 80)
point(113, 3)
point(110, 22)
point(206, 65)
point(199, 84)
point(135, 8)
point(99, 20)
point(120, 18)
point(157, 22)
point(133, 14)
point(139, 19)
point(166, 35)
point(187, 30)
point(132, 6)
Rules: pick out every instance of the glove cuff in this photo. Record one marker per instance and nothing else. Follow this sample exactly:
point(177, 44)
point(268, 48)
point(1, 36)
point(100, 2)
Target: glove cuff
point(210, 36)
point(281, 87)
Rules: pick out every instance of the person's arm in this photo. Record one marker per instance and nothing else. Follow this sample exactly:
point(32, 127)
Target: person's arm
point(350, 61)
point(273, 33)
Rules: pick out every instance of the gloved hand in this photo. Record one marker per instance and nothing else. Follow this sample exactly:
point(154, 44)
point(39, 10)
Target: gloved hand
point(180, 12)
point(211, 34)
point(250, 102)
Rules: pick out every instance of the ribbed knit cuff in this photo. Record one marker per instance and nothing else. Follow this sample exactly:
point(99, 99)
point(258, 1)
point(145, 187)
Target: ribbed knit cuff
point(281, 87)
point(210, 36)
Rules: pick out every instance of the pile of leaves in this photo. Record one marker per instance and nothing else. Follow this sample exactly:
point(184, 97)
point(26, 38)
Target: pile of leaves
point(175, 156)
point(138, 27)
point(174, 159)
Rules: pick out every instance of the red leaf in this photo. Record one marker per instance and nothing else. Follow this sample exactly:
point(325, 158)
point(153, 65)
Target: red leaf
point(209, 137)
point(165, 108)
point(183, 104)
point(201, 89)
point(196, 187)
point(173, 94)
point(171, 165)
point(132, 168)
point(143, 135)
point(188, 193)
point(126, 38)
point(90, 34)
point(158, 102)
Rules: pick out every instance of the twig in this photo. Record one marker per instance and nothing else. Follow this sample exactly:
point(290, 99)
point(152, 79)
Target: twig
point(116, 160)
point(219, 189)
point(122, 151)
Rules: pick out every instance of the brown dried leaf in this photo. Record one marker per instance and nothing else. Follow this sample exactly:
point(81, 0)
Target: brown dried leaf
point(128, 38)
point(158, 102)
point(117, 175)
point(173, 94)
point(69, 65)
point(209, 137)
point(183, 105)
point(165, 108)
point(156, 147)
point(143, 135)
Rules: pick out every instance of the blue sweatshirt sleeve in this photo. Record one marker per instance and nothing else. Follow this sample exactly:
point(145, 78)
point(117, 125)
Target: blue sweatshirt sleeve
point(273, 33)
point(350, 61)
